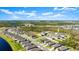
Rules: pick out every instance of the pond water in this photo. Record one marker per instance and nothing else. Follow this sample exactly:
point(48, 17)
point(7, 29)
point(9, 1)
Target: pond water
point(4, 46)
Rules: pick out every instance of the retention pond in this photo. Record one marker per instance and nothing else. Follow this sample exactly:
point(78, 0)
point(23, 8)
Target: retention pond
point(4, 46)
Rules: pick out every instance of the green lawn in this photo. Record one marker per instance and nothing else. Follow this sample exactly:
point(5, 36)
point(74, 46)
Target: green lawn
point(15, 46)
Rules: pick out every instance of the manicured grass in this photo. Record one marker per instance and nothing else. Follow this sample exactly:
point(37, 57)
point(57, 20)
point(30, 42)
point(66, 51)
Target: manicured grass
point(49, 47)
point(15, 46)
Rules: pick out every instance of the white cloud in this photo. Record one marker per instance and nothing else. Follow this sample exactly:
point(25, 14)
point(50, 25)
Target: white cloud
point(68, 8)
point(47, 13)
point(28, 14)
point(58, 15)
point(35, 15)
point(16, 14)
point(19, 12)
point(51, 17)
point(56, 8)
point(65, 8)
point(6, 11)
point(23, 12)
point(15, 17)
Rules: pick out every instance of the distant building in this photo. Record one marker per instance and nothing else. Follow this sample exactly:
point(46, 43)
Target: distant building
point(29, 25)
point(75, 27)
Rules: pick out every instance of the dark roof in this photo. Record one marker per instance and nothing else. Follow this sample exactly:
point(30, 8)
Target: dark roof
point(63, 48)
point(35, 49)
point(26, 42)
point(57, 45)
point(51, 43)
point(31, 47)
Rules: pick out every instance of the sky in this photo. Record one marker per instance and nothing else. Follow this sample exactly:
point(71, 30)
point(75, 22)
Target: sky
point(39, 13)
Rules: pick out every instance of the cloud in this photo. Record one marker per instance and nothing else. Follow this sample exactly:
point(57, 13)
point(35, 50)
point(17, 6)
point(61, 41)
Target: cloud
point(15, 17)
point(22, 12)
point(32, 14)
point(28, 14)
point(6, 11)
point(50, 17)
point(47, 13)
point(19, 12)
point(65, 8)
point(68, 9)
point(58, 15)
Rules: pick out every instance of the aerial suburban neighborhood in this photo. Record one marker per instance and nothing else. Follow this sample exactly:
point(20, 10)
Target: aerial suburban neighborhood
point(39, 29)
point(39, 37)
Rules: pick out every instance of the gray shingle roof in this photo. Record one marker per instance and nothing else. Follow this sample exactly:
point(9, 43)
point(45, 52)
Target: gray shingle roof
point(35, 49)
point(57, 45)
point(62, 48)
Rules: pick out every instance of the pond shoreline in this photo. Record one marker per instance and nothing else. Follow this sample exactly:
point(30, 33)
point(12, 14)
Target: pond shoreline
point(14, 45)
point(4, 45)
